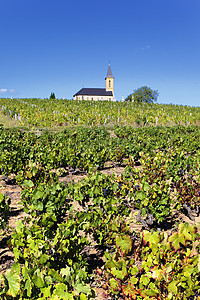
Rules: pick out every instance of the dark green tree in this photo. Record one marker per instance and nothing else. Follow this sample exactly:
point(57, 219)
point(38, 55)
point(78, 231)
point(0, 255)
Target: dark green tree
point(52, 96)
point(143, 94)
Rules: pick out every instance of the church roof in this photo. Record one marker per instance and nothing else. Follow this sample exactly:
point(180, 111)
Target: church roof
point(94, 92)
point(109, 73)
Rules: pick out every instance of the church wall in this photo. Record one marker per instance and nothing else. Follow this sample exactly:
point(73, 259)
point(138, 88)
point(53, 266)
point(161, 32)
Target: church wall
point(94, 98)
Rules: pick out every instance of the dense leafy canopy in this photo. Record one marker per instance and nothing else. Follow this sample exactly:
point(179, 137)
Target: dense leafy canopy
point(143, 94)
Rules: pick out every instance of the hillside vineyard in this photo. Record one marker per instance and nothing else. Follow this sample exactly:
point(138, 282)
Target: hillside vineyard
point(110, 195)
point(47, 113)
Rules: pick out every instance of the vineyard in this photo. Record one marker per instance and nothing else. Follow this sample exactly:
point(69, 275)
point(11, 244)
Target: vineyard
point(45, 113)
point(132, 234)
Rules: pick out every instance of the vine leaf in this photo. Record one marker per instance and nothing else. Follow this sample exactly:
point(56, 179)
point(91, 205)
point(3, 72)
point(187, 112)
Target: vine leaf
point(13, 283)
point(61, 290)
point(28, 286)
point(83, 297)
point(173, 287)
point(28, 184)
point(80, 288)
point(124, 243)
point(38, 280)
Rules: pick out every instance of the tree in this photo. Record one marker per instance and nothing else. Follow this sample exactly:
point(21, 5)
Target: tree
point(52, 96)
point(143, 94)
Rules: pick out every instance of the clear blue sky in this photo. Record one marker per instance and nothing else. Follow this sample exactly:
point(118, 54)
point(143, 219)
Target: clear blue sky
point(61, 46)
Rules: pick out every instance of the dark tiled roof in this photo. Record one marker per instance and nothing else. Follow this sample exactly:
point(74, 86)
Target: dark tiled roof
point(109, 73)
point(94, 92)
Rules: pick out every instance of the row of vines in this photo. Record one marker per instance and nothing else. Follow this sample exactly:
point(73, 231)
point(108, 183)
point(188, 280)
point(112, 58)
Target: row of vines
point(47, 113)
point(160, 182)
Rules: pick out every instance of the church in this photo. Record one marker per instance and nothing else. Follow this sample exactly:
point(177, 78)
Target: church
point(98, 93)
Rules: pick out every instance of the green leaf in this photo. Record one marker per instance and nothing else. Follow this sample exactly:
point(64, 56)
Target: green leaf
point(153, 288)
point(173, 287)
point(46, 291)
point(134, 270)
point(13, 283)
point(150, 293)
point(114, 285)
point(19, 226)
point(152, 238)
point(146, 186)
point(28, 286)
point(134, 280)
point(83, 297)
point(175, 241)
point(60, 290)
point(28, 184)
point(140, 195)
point(80, 288)
point(43, 259)
point(65, 271)
point(38, 195)
point(16, 268)
point(154, 248)
point(144, 280)
point(55, 275)
point(38, 279)
point(117, 273)
point(124, 243)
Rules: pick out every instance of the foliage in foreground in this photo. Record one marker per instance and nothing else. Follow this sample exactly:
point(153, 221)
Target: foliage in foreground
point(162, 266)
point(161, 178)
point(48, 262)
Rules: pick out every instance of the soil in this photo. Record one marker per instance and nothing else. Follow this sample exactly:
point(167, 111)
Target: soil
point(94, 253)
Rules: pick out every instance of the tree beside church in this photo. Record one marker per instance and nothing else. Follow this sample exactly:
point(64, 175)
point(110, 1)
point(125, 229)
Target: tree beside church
point(143, 94)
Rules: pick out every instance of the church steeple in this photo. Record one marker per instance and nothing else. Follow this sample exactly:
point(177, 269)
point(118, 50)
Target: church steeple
point(109, 73)
point(109, 81)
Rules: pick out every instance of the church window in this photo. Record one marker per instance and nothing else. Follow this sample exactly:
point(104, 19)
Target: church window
point(109, 83)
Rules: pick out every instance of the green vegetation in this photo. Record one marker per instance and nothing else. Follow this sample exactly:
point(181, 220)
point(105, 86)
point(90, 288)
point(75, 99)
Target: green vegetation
point(52, 96)
point(4, 210)
point(45, 113)
point(159, 268)
point(161, 180)
point(143, 94)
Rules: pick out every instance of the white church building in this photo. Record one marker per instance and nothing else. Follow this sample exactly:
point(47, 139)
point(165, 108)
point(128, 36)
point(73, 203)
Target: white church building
point(98, 93)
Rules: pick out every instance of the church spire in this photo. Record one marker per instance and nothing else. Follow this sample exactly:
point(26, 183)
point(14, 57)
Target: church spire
point(109, 73)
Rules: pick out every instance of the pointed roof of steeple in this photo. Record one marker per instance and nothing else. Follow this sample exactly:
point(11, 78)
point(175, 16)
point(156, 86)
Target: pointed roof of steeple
point(109, 73)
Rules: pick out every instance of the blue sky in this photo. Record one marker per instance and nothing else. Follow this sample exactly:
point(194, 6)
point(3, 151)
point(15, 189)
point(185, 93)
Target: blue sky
point(61, 46)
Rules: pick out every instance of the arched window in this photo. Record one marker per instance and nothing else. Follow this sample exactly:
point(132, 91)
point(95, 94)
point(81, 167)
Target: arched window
point(109, 83)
